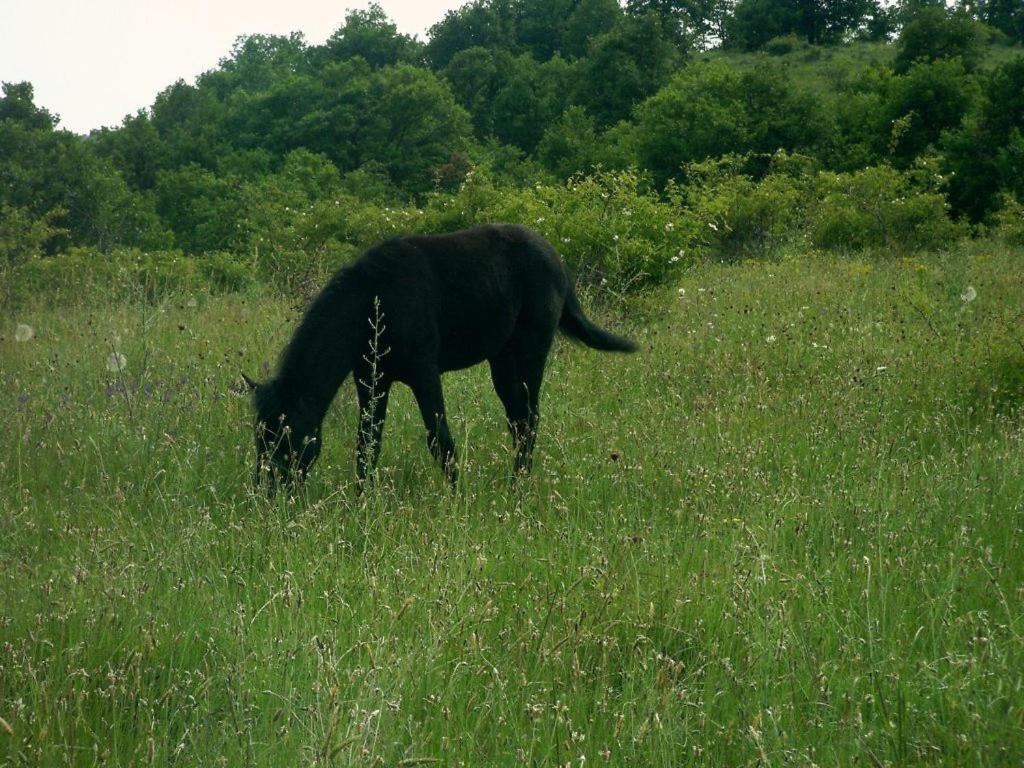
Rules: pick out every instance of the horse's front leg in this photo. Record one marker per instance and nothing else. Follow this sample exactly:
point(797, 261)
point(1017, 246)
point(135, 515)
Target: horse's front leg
point(430, 398)
point(373, 408)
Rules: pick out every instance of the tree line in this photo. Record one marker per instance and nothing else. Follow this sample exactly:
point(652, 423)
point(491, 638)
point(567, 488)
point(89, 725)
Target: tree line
point(528, 92)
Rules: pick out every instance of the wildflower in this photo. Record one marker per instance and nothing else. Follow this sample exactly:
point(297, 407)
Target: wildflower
point(713, 226)
point(682, 293)
point(615, 455)
point(968, 295)
point(116, 362)
point(192, 303)
point(23, 332)
point(770, 339)
point(673, 260)
point(669, 226)
point(615, 237)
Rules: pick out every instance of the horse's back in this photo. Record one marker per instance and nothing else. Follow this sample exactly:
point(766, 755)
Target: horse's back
point(459, 297)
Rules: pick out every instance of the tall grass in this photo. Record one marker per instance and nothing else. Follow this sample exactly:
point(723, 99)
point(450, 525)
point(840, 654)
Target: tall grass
point(787, 532)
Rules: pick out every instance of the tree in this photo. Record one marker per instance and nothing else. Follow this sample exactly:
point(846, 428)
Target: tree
point(570, 143)
point(202, 209)
point(55, 178)
point(189, 120)
point(755, 22)
point(18, 105)
point(934, 33)
point(589, 19)
point(476, 75)
point(986, 156)
point(411, 125)
point(687, 22)
point(371, 35)
point(257, 62)
point(1005, 15)
point(135, 148)
point(485, 23)
point(624, 66)
point(708, 110)
point(931, 98)
point(540, 26)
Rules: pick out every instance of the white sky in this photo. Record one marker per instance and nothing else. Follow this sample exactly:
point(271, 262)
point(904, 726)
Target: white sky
point(94, 61)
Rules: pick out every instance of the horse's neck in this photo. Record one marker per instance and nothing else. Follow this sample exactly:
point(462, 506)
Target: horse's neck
point(316, 387)
point(315, 371)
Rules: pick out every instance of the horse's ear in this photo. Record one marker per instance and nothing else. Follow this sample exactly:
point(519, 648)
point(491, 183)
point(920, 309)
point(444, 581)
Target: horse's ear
point(250, 383)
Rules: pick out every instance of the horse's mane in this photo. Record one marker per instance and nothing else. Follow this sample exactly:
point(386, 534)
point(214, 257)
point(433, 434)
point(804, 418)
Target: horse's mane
point(318, 343)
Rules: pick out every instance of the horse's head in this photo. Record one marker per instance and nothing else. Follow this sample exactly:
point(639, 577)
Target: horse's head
point(287, 435)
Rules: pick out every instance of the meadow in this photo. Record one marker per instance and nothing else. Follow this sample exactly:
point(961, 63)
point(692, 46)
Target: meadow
point(788, 531)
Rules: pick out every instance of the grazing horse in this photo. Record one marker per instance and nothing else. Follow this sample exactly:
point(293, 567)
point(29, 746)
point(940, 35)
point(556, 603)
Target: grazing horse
point(408, 310)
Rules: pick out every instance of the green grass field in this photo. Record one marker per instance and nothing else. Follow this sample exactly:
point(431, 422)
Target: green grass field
point(787, 532)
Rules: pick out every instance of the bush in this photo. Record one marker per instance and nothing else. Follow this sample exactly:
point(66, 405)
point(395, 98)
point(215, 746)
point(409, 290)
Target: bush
point(611, 226)
point(712, 109)
point(24, 236)
point(1009, 221)
point(784, 44)
point(743, 218)
point(881, 207)
point(81, 274)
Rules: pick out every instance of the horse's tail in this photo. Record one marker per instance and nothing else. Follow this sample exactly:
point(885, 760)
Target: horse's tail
point(575, 324)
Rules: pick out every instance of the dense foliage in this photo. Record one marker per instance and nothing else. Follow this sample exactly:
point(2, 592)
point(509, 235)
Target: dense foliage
point(289, 154)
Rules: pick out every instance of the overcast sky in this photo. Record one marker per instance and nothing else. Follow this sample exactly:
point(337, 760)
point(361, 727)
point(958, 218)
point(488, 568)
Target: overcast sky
point(94, 61)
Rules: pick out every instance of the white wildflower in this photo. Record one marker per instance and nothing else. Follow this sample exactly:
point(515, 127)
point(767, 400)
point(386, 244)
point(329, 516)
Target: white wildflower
point(682, 293)
point(669, 226)
point(770, 339)
point(23, 332)
point(192, 303)
point(968, 295)
point(713, 226)
point(116, 362)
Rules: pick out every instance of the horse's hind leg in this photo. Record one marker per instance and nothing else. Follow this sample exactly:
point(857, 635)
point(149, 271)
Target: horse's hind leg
point(512, 393)
point(531, 363)
point(373, 408)
point(518, 373)
point(430, 398)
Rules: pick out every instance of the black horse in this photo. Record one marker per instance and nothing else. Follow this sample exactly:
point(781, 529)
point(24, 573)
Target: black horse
point(408, 310)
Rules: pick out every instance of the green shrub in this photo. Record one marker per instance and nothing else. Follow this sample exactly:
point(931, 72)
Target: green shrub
point(225, 272)
point(23, 236)
point(1009, 221)
point(81, 274)
point(882, 208)
point(609, 226)
point(743, 218)
point(784, 44)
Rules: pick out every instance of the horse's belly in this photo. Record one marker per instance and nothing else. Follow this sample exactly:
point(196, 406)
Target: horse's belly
point(469, 343)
